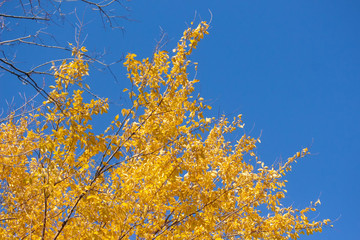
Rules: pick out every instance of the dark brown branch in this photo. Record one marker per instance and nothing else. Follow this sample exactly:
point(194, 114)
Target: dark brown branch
point(68, 216)
point(28, 80)
point(24, 17)
point(45, 215)
point(7, 219)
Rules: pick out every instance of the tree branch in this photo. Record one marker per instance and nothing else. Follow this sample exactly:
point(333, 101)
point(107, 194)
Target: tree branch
point(14, 40)
point(24, 17)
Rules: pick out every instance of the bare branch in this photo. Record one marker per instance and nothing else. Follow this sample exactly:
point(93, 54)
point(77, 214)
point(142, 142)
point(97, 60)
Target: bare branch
point(14, 40)
point(25, 17)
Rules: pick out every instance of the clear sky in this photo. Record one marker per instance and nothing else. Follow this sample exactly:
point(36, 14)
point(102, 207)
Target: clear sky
point(290, 67)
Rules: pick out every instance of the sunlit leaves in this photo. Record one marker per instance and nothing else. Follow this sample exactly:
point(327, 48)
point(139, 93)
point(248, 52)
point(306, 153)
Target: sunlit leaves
point(159, 170)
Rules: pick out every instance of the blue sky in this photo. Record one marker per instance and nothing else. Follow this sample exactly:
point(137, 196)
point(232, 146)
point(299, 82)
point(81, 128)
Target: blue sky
point(290, 67)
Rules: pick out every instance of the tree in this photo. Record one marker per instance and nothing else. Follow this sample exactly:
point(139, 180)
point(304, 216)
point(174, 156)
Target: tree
point(160, 170)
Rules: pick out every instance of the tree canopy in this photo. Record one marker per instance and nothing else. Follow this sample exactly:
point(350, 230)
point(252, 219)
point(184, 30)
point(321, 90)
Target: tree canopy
point(160, 170)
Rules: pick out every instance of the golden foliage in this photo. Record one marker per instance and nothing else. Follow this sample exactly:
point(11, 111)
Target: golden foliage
point(160, 170)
